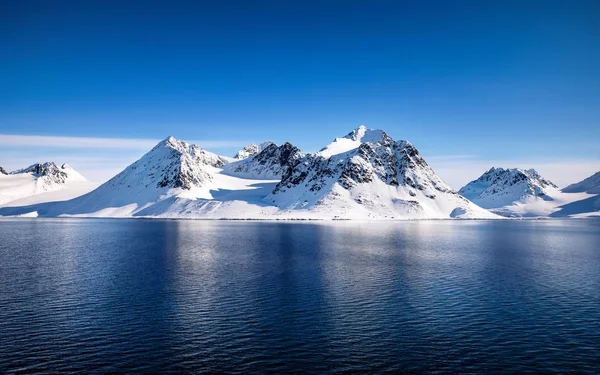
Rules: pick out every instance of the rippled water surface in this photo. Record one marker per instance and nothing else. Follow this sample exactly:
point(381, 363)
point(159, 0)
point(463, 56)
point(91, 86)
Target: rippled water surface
point(250, 297)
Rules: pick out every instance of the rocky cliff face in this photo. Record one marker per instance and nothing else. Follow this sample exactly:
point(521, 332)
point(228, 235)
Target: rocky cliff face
point(270, 163)
point(2, 171)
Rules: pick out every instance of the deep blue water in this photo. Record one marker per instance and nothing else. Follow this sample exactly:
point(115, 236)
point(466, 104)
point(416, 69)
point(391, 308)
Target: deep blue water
point(152, 296)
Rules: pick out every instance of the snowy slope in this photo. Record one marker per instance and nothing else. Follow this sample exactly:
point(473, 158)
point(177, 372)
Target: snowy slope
point(43, 181)
point(174, 179)
point(588, 202)
point(271, 163)
point(353, 140)
point(366, 174)
point(589, 185)
point(524, 193)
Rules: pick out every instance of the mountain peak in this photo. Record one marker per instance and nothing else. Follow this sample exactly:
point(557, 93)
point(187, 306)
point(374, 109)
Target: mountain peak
point(2, 171)
point(252, 149)
point(174, 143)
point(364, 134)
point(353, 140)
point(368, 174)
point(40, 169)
point(49, 175)
point(500, 187)
point(172, 163)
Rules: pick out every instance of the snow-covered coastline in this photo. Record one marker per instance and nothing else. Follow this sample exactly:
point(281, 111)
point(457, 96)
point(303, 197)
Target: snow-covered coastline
point(365, 175)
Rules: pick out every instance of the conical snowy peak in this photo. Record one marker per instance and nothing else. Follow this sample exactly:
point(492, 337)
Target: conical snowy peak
point(377, 178)
point(251, 150)
point(270, 163)
point(354, 139)
point(590, 185)
point(170, 164)
point(500, 187)
point(170, 170)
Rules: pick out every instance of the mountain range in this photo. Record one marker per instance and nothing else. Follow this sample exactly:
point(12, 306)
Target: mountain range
point(363, 175)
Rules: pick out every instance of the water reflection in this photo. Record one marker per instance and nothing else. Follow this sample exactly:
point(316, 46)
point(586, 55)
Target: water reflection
point(206, 296)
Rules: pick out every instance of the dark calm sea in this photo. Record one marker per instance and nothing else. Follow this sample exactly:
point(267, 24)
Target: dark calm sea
point(160, 296)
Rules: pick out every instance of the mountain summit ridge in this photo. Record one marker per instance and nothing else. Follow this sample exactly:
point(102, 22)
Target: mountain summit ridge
point(500, 187)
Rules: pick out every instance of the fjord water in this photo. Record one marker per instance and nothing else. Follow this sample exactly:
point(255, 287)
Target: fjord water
point(156, 296)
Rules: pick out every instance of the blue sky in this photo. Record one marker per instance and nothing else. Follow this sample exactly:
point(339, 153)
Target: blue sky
point(471, 83)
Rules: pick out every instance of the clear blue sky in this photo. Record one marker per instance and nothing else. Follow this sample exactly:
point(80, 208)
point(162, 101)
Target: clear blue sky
point(480, 80)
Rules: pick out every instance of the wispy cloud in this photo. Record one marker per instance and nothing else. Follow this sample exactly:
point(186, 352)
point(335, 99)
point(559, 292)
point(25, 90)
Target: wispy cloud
point(99, 143)
point(98, 159)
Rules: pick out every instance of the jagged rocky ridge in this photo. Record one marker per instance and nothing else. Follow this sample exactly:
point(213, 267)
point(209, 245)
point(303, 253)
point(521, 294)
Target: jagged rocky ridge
point(270, 163)
point(2, 171)
point(50, 171)
point(500, 187)
point(367, 171)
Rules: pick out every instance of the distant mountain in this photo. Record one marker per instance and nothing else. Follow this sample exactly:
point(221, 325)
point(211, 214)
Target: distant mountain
point(589, 185)
point(251, 150)
point(500, 187)
point(270, 163)
point(364, 175)
point(2, 171)
point(41, 178)
point(524, 193)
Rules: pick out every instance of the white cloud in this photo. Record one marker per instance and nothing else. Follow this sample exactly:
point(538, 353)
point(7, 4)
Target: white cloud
point(103, 143)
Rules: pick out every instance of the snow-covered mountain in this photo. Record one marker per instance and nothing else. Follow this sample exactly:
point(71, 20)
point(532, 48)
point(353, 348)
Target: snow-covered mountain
point(367, 174)
point(590, 185)
point(251, 150)
point(2, 171)
point(524, 193)
point(172, 168)
point(39, 180)
point(364, 175)
point(270, 163)
point(500, 187)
